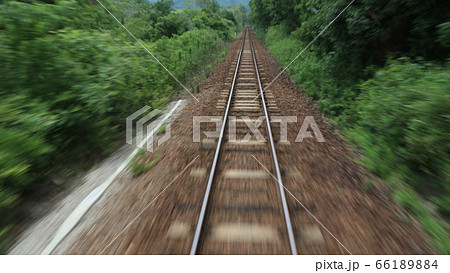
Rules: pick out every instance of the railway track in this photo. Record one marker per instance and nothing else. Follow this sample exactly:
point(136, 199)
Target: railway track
point(244, 209)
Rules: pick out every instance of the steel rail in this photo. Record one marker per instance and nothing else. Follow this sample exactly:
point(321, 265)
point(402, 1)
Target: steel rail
point(216, 156)
point(274, 156)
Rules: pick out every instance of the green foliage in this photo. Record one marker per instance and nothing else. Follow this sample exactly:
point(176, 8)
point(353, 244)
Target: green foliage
point(183, 4)
point(4, 239)
point(399, 121)
point(140, 28)
point(313, 72)
point(152, 22)
point(266, 13)
point(178, 22)
point(404, 113)
point(370, 29)
point(398, 116)
point(175, 23)
point(236, 13)
point(444, 34)
point(209, 5)
point(24, 123)
point(366, 33)
point(438, 230)
point(139, 168)
point(402, 130)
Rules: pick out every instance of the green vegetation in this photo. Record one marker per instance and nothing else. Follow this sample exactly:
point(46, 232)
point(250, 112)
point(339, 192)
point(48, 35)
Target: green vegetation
point(182, 4)
point(162, 129)
point(70, 75)
point(138, 167)
point(380, 71)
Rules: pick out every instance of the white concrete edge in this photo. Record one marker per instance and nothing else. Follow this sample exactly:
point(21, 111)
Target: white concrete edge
point(87, 203)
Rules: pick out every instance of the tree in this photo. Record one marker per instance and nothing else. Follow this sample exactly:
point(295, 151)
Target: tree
point(209, 5)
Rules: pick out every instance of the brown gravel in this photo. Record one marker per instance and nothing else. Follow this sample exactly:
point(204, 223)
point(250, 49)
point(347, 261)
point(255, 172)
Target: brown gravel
point(326, 181)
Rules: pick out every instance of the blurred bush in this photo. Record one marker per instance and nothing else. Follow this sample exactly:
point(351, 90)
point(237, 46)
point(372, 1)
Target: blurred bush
point(403, 132)
point(403, 126)
point(368, 31)
point(313, 72)
point(70, 75)
point(394, 108)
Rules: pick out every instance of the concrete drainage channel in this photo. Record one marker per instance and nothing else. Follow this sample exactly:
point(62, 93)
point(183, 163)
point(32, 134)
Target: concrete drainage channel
point(47, 233)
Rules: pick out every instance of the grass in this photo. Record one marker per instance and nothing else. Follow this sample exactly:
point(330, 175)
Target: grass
point(4, 238)
point(435, 227)
point(162, 129)
point(139, 168)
